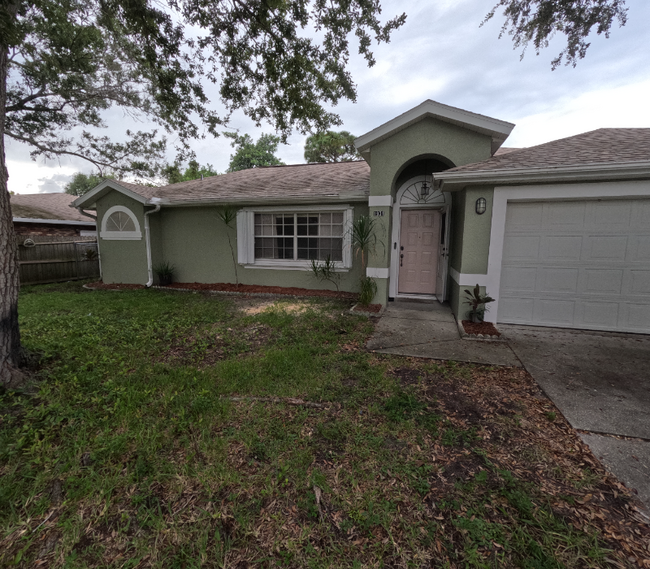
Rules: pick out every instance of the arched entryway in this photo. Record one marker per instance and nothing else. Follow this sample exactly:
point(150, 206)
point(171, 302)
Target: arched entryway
point(420, 236)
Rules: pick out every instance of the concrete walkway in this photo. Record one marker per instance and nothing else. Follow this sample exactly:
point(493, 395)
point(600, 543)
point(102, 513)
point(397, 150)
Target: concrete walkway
point(429, 330)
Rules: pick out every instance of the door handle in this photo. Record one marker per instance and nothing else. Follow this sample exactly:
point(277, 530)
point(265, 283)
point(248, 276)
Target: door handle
point(401, 258)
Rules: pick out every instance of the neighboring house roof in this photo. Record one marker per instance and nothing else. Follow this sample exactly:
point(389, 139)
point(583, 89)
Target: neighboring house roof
point(333, 182)
point(606, 153)
point(496, 129)
point(43, 208)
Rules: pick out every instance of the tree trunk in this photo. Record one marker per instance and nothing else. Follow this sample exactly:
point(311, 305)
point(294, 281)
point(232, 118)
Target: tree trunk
point(10, 350)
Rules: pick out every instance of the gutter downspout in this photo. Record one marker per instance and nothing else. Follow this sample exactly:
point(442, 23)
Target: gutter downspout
point(99, 255)
point(147, 235)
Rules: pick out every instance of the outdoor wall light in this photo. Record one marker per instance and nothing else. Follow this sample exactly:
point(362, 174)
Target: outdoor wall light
point(424, 189)
point(481, 206)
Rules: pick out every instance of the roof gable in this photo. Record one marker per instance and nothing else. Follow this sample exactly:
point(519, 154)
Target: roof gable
point(496, 129)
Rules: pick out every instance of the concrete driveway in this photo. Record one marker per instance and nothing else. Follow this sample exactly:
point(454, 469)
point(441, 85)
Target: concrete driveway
point(600, 382)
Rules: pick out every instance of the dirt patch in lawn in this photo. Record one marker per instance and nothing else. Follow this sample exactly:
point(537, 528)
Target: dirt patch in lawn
point(252, 307)
point(206, 347)
point(499, 431)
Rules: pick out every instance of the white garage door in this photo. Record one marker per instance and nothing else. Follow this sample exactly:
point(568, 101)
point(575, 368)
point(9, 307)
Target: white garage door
point(577, 264)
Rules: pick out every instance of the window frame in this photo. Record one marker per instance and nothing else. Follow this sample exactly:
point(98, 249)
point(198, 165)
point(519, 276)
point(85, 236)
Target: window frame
point(120, 235)
point(246, 237)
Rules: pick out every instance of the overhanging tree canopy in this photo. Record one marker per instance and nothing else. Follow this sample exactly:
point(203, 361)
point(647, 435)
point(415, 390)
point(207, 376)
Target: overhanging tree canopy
point(64, 63)
point(537, 21)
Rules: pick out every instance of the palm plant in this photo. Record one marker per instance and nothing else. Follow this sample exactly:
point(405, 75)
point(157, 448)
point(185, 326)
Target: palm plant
point(228, 215)
point(364, 242)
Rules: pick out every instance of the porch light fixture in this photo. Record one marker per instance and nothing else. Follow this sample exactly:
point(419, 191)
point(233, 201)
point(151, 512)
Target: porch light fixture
point(481, 206)
point(424, 189)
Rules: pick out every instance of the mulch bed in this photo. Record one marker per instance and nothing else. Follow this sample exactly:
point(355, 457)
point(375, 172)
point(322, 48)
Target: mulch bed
point(484, 328)
point(116, 286)
point(242, 288)
point(368, 308)
point(257, 289)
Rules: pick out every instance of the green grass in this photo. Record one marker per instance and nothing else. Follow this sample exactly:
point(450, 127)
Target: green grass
point(125, 450)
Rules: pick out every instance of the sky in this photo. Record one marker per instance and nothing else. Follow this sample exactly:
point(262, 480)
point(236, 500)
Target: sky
point(442, 53)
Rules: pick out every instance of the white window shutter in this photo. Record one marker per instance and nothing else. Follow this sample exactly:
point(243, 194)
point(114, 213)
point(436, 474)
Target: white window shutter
point(244, 230)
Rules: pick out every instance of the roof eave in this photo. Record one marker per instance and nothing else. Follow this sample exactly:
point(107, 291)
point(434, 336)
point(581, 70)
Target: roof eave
point(340, 198)
point(52, 221)
point(453, 181)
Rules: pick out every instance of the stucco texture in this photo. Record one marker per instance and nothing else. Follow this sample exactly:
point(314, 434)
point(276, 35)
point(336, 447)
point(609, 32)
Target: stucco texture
point(122, 261)
point(195, 241)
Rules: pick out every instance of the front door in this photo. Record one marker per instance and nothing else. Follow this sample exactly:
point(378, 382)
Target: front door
point(419, 242)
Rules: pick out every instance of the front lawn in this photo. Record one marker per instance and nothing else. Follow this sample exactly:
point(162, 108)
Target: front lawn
point(182, 430)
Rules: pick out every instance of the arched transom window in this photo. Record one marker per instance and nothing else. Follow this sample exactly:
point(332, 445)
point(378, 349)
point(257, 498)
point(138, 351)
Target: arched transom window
point(119, 222)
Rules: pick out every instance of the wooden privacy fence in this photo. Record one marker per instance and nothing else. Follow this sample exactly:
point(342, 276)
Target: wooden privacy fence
point(46, 259)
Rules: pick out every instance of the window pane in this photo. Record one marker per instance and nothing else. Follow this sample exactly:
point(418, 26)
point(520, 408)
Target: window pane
point(318, 236)
point(120, 221)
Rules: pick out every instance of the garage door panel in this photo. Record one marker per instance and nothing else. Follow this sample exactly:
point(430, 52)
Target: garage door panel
point(603, 281)
point(520, 279)
point(638, 317)
point(600, 314)
point(640, 249)
point(554, 311)
point(562, 247)
point(556, 279)
point(522, 248)
point(583, 265)
point(564, 215)
point(640, 282)
point(610, 247)
point(613, 215)
point(517, 310)
point(525, 216)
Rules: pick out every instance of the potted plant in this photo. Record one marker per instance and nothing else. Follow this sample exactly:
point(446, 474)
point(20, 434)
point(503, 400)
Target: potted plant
point(477, 302)
point(165, 272)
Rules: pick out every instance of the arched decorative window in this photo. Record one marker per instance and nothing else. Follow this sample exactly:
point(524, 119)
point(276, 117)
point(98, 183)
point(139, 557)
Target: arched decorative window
point(119, 223)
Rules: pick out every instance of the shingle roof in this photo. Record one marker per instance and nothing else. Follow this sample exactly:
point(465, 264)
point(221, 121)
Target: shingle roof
point(46, 206)
point(344, 180)
point(602, 146)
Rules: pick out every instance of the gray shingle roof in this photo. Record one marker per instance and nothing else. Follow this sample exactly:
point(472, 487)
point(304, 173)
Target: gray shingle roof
point(602, 146)
point(46, 206)
point(346, 180)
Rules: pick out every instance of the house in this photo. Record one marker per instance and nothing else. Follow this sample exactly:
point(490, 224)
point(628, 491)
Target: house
point(558, 234)
point(49, 215)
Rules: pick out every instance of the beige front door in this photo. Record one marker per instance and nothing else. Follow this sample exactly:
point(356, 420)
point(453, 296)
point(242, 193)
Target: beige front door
point(419, 241)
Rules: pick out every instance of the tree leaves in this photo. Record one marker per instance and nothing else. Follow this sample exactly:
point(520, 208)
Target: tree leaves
point(537, 21)
point(331, 146)
point(250, 154)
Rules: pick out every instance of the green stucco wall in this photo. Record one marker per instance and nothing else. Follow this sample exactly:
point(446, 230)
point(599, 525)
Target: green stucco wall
point(470, 241)
point(425, 138)
point(195, 241)
point(122, 261)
